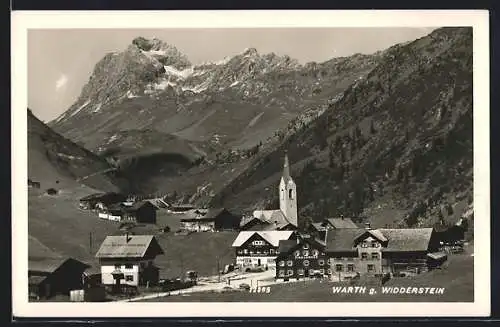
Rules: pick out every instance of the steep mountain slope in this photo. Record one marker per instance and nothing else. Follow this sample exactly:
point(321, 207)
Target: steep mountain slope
point(395, 147)
point(56, 162)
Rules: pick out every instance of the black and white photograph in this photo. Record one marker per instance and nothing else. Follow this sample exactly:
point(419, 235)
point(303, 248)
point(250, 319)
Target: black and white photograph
point(251, 162)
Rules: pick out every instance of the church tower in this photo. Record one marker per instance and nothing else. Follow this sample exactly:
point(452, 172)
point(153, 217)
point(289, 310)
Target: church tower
point(288, 194)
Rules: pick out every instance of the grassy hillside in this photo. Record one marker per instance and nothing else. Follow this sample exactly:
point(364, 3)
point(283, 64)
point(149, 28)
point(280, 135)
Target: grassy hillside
point(58, 227)
point(58, 163)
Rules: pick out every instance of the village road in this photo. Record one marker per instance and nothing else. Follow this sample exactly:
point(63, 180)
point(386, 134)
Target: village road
point(255, 280)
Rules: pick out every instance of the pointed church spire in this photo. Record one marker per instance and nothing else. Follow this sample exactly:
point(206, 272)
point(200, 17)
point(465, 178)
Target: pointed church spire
point(286, 168)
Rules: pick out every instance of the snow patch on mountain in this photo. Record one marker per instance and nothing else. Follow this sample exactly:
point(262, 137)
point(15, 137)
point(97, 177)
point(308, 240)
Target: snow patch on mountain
point(80, 108)
point(198, 88)
point(185, 73)
point(97, 108)
point(255, 119)
point(131, 95)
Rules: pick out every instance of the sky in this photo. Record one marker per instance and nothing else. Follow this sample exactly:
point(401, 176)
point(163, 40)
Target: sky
point(60, 61)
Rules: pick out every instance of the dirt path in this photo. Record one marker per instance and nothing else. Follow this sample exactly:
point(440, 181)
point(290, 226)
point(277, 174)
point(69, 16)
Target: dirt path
point(254, 279)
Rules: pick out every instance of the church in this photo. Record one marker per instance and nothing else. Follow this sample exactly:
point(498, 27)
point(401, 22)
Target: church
point(284, 218)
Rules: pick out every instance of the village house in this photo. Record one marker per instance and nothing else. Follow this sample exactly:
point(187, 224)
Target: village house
point(49, 277)
point(301, 258)
point(211, 220)
point(286, 217)
point(100, 200)
point(143, 212)
point(375, 252)
point(319, 229)
point(140, 212)
point(129, 259)
point(259, 248)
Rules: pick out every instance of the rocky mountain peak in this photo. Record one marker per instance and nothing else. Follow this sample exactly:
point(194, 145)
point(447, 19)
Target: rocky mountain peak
point(250, 52)
point(163, 52)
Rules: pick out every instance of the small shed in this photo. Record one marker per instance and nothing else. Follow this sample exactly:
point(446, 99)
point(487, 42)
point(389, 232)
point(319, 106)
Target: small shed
point(48, 277)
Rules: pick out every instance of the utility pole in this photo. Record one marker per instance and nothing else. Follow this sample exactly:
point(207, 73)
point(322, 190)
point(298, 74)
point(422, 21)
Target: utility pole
point(218, 269)
point(90, 242)
point(182, 266)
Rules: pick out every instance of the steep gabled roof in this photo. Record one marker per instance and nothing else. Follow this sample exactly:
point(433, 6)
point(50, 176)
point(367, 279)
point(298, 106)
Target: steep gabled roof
point(342, 240)
point(275, 218)
point(273, 237)
point(286, 245)
point(51, 265)
point(342, 223)
point(407, 239)
point(127, 246)
point(137, 205)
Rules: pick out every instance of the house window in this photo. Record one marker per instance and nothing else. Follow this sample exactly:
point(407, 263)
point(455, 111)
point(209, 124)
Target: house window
point(306, 253)
point(129, 278)
point(305, 263)
point(289, 272)
point(364, 256)
point(321, 262)
point(339, 267)
point(374, 256)
point(315, 253)
point(364, 245)
point(350, 259)
point(350, 267)
point(297, 253)
point(311, 272)
point(300, 272)
point(374, 244)
point(289, 263)
point(371, 268)
point(322, 271)
point(245, 251)
point(329, 271)
point(240, 252)
point(128, 266)
point(290, 194)
point(305, 246)
point(282, 263)
point(271, 251)
point(281, 273)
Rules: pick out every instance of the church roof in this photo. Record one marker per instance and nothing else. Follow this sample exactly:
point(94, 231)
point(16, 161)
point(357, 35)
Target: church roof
point(276, 218)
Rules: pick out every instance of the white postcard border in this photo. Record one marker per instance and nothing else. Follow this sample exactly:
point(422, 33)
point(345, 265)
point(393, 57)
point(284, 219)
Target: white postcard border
point(22, 21)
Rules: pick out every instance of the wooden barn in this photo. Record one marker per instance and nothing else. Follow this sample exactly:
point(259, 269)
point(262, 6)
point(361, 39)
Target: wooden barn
point(49, 277)
point(211, 220)
point(143, 212)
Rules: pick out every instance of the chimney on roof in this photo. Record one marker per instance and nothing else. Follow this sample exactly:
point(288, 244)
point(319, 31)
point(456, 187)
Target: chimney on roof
point(368, 225)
